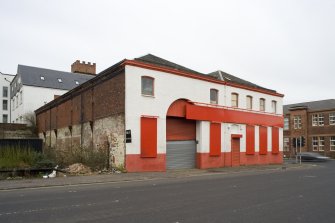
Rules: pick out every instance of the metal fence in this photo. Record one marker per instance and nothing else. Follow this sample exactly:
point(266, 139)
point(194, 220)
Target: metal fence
point(34, 144)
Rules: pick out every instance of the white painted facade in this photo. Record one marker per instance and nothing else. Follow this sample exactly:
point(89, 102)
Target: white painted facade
point(169, 88)
point(30, 98)
point(5, 112)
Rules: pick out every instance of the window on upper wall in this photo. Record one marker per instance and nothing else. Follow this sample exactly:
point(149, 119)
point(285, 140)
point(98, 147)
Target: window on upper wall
point(234, 100)
point(332, 119)
point(249, 102)
point(5, 105)
point(274, 106)
point(147, 86)
point(5, 92)
point(315, 120)
point(214, 96)
point(286, 123)
point(5, 118)
point(332, 143)
point(321, 143)
point(262, 104)
point(297, 122)
point(321, 120)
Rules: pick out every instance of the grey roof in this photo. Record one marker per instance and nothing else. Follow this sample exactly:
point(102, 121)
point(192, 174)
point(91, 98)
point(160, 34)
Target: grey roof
point(152, 59)
point(32, 76)
point(233, 79)
point(313, 105)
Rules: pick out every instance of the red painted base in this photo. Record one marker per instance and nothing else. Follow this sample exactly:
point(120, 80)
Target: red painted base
point(135, 163)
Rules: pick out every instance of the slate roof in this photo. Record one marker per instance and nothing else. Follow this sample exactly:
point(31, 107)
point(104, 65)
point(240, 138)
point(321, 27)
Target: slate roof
point(32, 76)
point(152, 59)
point(313, 105)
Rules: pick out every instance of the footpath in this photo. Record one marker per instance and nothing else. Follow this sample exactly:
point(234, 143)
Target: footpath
point(129, 177)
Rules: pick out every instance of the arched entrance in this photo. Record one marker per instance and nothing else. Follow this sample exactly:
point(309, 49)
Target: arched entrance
point(180, 137)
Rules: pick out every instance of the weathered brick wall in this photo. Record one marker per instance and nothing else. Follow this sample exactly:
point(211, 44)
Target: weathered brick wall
point(90, 118)
point(15, 131)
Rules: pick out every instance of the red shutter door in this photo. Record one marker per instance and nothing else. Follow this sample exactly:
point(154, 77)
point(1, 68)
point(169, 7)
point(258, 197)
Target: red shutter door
point(263, 140)
point(275, 140)
point(250, 140)
point(180, 129)
point(148, 137)
point(215, 139)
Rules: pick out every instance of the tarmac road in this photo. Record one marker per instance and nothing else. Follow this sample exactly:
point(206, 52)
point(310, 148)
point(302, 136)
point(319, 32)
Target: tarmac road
point(292, 195)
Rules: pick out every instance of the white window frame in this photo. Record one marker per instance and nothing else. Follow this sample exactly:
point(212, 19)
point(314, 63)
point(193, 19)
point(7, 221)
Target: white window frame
point(262, 104)
point(321, 120)
point(234, 100)
point(286, 144)
point(286, 123)
point(332, 143)
point(315, 143)
point(321, 143)
point(274, 106)
point(315, 120)
point(297, 122)
point(332, 119)
point(143, 91)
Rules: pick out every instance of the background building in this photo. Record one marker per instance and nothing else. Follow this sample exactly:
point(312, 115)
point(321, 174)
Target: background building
point(315, 121)
point(5, 112)
point(151, 115)
point(33, 87)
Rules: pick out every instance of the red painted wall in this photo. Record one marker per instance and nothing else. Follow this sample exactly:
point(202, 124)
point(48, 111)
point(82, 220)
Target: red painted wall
point(215, 139)
point(148, 137)
point(275, 140)
point(263, 140)
point(250, 140)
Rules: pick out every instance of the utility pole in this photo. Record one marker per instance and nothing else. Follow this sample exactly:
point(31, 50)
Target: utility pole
point(300, 141)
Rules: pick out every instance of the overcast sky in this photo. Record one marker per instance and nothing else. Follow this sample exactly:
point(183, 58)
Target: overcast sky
point(285, 45)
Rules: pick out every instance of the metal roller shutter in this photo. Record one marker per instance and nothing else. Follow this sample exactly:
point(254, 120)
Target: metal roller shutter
point(181, 154)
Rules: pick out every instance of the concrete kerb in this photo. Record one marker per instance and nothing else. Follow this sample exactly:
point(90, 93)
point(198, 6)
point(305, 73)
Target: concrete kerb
point(7, 185)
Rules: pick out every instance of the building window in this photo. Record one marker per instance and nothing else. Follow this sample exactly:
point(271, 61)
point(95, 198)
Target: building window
point(59, 80)
point(297, 122)
point(148, 86)
point(332, 119)
point(5, 105)
point(249, 102)
point(321, 143)
point(5, 92)
point(321, 120)
point(214, 96)
point(332, 143)
point(315, 120)
point(315, 143)
point(5, 118)
point(234, 100)
point(274, 106)
point(286, 144)
point(42, 78)
point(286, 123)
point(262, 104)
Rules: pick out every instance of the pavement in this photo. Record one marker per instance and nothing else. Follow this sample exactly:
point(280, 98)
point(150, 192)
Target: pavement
point(35, 183)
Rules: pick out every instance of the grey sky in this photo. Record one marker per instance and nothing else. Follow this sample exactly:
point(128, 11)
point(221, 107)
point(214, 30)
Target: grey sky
point(285, 45)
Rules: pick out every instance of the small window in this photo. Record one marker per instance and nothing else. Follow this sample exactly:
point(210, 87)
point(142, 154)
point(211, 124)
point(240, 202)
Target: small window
point(332, 119)
point(234, 100)
point(286, 123)
point(321, 120)
point(321, 143)
point(214, 96)
point(148, 86)
point(315, 120)
point(59, 80)
point(274, 107)
point(5, 118)
point(42, 78)
point(332, 143)
point(262, 104)
point(5, 105)
point(77, 82)
point(286, 144)
point(249, 102)
point(5, 92)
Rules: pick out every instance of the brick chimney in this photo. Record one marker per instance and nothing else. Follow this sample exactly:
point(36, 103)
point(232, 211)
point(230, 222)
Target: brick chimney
point(83, 67)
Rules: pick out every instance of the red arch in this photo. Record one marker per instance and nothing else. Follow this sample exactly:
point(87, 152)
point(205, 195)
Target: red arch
point(178, 108)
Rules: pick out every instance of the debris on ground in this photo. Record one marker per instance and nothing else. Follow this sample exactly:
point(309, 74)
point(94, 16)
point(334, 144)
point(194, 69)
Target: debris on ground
point(53, 174)
point(78, 168)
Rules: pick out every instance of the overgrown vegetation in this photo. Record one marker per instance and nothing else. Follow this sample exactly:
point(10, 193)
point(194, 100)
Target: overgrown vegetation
point(30, 119)
point(95, 159)
point(16, 157)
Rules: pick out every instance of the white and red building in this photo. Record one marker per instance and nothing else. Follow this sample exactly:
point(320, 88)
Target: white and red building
point(153, 115)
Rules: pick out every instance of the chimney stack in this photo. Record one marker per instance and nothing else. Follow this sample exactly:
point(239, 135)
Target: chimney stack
point(83, 67)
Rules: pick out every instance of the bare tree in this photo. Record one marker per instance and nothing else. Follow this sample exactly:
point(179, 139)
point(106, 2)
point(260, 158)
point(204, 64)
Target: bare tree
point(30, 119)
